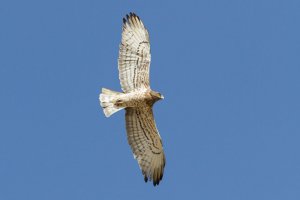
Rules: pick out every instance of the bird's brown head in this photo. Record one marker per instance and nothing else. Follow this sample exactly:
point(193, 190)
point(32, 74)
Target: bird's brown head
point(156, 96)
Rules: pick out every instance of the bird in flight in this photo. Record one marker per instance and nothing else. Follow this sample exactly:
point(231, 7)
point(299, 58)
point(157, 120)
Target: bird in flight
point(137, 99)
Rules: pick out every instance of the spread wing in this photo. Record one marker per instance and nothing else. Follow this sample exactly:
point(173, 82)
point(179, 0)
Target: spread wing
point(145, 142)
point(134, 55)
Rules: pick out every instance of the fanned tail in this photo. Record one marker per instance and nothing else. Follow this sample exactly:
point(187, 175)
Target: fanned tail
point(108, 99)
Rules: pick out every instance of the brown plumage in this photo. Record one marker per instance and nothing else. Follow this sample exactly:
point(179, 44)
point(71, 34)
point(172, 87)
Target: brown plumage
point(137, 99)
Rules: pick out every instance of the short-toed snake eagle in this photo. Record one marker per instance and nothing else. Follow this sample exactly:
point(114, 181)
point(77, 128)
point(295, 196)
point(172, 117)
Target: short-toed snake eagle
point(137, 98)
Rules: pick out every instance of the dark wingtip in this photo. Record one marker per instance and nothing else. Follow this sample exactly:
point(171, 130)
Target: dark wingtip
point(131, 14)
point(156, 182)
point(161, 176)
point(134, 15)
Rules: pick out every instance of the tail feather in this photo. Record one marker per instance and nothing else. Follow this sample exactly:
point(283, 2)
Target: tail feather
point(107, 101)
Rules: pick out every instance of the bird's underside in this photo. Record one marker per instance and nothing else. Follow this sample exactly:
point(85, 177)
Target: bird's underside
point(137, 99)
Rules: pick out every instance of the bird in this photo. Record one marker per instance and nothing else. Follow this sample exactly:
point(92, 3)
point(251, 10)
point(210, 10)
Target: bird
point(137, 99)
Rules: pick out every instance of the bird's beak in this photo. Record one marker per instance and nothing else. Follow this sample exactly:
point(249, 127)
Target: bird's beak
point(162, 97)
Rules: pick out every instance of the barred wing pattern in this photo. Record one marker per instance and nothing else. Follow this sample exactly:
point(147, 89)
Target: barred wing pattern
point(145, 142)
point(134, 55)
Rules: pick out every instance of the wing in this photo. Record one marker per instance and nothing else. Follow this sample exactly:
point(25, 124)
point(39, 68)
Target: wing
point(134, 55)
point(145, 142)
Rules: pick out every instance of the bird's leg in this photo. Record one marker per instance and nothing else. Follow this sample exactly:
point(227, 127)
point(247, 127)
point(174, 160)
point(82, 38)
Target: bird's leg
point(119, 103)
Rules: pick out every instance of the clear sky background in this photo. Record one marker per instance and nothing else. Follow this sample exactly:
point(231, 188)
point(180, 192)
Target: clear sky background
point(230, 120)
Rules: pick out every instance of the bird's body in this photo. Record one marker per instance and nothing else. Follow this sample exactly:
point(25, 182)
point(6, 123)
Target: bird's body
point(137, 98)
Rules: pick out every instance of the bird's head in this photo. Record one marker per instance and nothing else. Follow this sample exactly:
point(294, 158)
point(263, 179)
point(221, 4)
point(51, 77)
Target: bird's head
point(156, 95)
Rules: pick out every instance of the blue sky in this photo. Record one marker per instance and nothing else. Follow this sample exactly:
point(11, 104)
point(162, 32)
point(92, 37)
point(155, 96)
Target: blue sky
point(229, 71)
